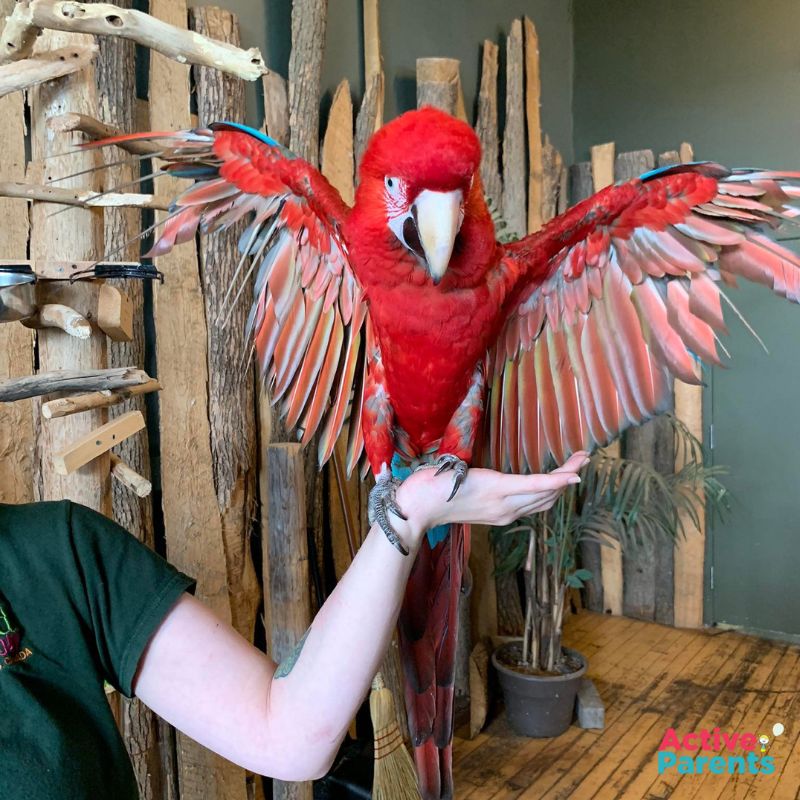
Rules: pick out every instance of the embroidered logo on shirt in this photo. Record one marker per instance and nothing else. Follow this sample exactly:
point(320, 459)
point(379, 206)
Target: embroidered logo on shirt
point(10, 638)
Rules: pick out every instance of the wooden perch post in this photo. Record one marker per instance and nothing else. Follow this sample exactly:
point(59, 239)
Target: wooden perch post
point(486, 126)
point(16, 342)
point(438, 83)
point(287, 567)
point(182, 353)
point(533, 91)
point(64, 406)
point(105, 19)
point(514, 189)
point(231, 388)
point(129, 477)
point(46, 66)
point(67, 380)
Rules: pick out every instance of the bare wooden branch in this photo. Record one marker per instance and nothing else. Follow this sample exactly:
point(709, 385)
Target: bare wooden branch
point(57, 315)
point(19, 35)
point(437, 83)
point(105, 19)
point(82, 197)
point(309, 19)
point(44, 67)
point(64, 406)
point(514, 189)
point(129, 477)
point(67, 380)
point(486, 126)
point(94, 129)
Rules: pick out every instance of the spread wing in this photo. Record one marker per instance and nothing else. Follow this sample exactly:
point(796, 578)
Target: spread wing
point(309, 312)
point(622, 292)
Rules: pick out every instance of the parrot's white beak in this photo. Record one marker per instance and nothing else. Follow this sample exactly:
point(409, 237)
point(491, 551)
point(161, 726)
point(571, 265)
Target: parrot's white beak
point(438, 217)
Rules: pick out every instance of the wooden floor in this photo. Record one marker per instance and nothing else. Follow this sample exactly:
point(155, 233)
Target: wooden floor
point(651, 678)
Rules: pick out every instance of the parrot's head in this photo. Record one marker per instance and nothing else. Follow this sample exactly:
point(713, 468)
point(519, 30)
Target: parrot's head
point(420, 186)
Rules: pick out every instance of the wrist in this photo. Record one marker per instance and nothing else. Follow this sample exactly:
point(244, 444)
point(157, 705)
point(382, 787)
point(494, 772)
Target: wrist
point(413, 528)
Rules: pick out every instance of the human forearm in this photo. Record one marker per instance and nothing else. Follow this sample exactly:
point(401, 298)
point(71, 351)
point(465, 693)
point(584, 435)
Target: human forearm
point(341, 653)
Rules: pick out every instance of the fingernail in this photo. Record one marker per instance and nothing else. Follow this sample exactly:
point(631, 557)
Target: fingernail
point(574, 479)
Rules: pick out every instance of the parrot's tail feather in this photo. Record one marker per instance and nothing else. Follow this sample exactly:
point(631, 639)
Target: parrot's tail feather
point(428, 628)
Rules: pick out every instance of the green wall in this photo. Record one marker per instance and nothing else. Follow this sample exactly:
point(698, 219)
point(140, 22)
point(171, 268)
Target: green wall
point(411, 29)
point(721, 74)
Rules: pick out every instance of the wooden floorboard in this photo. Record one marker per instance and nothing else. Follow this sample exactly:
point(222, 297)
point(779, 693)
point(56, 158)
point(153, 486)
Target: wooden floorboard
point(651, 678)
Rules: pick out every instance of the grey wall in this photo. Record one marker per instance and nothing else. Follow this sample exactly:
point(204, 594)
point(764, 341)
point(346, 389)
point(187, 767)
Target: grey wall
point(415, 28)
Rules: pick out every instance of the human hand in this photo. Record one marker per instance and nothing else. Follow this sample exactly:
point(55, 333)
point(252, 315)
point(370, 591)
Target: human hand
point(485, 497)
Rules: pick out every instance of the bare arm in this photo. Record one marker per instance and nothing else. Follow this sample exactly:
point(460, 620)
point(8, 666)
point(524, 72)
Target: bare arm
point(288, 722)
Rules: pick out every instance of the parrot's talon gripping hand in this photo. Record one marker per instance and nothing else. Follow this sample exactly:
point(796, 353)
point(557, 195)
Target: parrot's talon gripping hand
point(382, 500)
point(450, 462)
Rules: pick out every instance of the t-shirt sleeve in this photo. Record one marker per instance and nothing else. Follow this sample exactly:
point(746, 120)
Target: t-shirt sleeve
point(129, 590)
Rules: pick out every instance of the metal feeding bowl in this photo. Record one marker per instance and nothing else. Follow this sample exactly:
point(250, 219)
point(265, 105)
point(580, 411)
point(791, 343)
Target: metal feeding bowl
point(17, 297)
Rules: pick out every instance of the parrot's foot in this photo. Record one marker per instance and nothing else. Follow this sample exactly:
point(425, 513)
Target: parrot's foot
point(447, 462)
point(382, 500)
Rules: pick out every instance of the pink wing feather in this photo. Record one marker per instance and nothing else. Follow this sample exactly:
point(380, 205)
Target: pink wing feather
point(309, 310)
point(621, 293)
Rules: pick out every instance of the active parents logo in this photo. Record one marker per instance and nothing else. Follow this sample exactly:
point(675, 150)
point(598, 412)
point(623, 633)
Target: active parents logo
point(717, 752)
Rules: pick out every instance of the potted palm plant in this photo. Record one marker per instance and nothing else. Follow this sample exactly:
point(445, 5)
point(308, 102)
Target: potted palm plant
point(618, 499)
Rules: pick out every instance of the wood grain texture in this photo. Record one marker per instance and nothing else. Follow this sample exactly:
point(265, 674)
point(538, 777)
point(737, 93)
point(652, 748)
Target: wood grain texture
point(77, 233)
point(193, 529)
point(309, 19)
point(690, 552)
point(369, 116)
point(276, 108)
point(337, 144)
point(486, 126)
point(533, 94)
point(514, 162)
point(287, 565)
point(373, 58)
point(438, 83)
point(16, 342)
point(552, 173)
point(231, 388)
point(47, 65)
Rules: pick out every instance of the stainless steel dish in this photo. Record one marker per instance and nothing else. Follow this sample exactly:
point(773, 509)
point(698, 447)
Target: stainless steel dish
point(17, 297)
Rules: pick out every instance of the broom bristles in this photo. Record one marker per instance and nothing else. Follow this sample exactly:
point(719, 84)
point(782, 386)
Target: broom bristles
point(395, 777)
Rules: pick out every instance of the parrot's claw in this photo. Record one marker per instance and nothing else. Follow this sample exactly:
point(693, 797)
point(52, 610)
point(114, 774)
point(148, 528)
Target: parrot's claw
point(381, 502)
point(450, 462)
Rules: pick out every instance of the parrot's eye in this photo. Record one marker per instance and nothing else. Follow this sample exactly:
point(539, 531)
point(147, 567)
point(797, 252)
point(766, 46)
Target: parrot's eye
point(394, 187)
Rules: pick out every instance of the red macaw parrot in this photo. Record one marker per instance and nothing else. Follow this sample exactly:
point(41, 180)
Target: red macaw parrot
point(405, 309)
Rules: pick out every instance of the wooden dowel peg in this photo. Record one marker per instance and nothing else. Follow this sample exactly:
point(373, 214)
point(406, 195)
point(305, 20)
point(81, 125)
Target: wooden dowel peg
point(66, 380)
point(99, 441)
point(56, 315)
point(44, 67)
point(94, 129)
point(64, 406)
point(129, 477)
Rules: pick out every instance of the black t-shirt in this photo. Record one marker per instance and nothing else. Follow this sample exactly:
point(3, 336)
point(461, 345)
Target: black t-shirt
point(79, 600)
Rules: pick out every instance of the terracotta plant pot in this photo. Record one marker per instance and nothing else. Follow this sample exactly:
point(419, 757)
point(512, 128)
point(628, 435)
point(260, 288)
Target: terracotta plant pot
point(540, 706)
